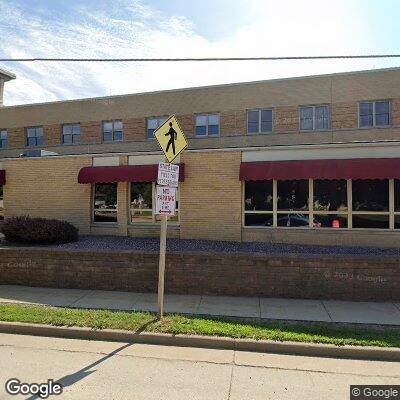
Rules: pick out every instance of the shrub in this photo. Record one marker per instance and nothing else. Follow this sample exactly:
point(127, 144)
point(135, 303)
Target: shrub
point(25, 229)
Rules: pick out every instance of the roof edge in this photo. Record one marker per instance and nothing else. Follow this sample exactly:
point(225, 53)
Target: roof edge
point(334, 74)
point(6, 75)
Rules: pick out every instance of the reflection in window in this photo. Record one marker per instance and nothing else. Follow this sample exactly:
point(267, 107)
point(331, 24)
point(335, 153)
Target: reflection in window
point(112, 131)
point(330, 221)
point(370, 195)
point(258, 196)
point(34, 136)
point(153, 124)
point(141, 202)
point(293, 220)
point(371, 221)
point(259, 121)
point(105, 202)
point(207, 125)
point(71, 133)
point(374, 113)
point(1, 203)
point(293, 195)
point(330, 195)
point(3, 139)
point(396, 194)
point(314, 118)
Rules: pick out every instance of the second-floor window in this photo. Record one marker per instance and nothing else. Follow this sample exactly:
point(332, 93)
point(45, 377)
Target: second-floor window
point(34, 136)
point(374, 113)
point(153, 124)
point(71, 133)
point(259, 121)
point(112, 131)
point(3, 138)
point(314, 118)
point(207, 125)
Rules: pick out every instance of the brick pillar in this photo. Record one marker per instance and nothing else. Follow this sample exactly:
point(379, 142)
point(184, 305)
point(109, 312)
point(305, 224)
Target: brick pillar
point(123, 207)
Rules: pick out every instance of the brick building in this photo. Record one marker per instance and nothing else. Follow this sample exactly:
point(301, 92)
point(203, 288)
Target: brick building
point(302, 160)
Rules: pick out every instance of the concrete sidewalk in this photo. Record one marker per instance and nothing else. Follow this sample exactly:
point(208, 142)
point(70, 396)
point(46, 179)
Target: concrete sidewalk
point(246, 307)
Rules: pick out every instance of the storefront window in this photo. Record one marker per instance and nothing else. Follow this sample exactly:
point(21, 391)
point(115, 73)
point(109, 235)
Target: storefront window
point(293, 195)
point(1, 203)
point(141, 202)
point(258, 203)
point(105, 202)
point(293, 220)
point(330, 221)
point(371, 195)
point(371, 221)
point(330, 195)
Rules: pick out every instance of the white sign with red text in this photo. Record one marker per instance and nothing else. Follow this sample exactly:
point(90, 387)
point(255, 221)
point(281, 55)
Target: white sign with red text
point(168, 174)
point(165, 200)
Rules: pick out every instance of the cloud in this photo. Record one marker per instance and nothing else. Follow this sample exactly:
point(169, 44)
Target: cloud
point(135, 29)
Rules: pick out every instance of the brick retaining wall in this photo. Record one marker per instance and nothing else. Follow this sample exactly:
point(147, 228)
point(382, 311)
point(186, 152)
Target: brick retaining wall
point(373, 278)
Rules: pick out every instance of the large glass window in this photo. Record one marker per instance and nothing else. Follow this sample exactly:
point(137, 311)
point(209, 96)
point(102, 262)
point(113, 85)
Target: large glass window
point(335, 203)
point(330, 195)
point(314, 118)
point(71, 133)
point(112, 131)
point(207, 125)
point(142, 204)
point(105, 202)
point(374, 113)
point(1, 203)
point(153, 124)
point(34, 136)
point(3, 139)
point(371, 195)
point(293, 195)
point(259, 121)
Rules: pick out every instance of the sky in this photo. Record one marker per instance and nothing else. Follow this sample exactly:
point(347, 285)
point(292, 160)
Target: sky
point(183, 28)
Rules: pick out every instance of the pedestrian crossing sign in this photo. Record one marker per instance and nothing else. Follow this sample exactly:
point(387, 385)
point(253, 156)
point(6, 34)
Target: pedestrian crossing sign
point(171, 138)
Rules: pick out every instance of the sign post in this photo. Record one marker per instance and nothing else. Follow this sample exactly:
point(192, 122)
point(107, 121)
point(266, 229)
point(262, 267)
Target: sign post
point(172, 141)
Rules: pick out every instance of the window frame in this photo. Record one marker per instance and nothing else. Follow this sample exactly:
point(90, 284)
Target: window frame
point(314, 106)
point(389, 101)
point(311, 213)
point(207, 115)
point(112, 121)
point(93, 222)
point(72, 135)
point(153, 221)
point(3, 140)
point(36, 136)
point(158, 125)
point(260, 110)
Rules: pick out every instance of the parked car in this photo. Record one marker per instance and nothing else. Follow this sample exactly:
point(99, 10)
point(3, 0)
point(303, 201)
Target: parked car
point(294, 220)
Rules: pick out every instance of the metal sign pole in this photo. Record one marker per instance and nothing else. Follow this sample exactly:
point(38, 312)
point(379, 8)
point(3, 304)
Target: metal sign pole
point(161, 266)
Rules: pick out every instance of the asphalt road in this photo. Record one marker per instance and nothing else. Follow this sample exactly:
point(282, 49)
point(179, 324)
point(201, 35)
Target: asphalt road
point(104, 370)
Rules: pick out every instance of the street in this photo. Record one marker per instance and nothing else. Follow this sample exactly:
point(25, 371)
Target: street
point(106, 370)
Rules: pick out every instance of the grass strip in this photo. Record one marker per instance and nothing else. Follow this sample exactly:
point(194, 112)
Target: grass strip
point(178, 324)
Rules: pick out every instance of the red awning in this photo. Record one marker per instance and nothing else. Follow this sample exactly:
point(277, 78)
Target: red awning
point(123, 173)
point(358, 168)
point(2, 177)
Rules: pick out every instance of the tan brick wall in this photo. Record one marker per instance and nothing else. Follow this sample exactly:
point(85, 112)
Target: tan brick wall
point(344, 115)
point(286, 119)
point(396, 112)
point(91, 132)
point(48, 188)
point(187, 124)
point(16, 138)
point(52, 135)
point(233, 122)
point(210, 198)
point(135, 129)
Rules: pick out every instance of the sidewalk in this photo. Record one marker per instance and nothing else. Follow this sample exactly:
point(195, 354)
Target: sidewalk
point(246, 307)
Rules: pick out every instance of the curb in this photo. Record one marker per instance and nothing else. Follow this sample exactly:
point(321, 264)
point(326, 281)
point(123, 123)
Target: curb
point(210, 342)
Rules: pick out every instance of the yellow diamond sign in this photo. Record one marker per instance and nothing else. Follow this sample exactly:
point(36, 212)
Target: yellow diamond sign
point(171, 138)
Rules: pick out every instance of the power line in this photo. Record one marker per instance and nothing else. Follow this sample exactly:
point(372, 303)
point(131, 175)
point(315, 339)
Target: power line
point(289, 58)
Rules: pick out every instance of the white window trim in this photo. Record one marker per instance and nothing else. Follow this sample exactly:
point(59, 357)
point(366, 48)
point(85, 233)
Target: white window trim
point(207, 125)
point(72, 134)
point(313, 118)
point(259, 120)
point(1, 139)
point(93, 222)
point(113, 121)
point(391, 213)
point(373, 102)
point(158, 125)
